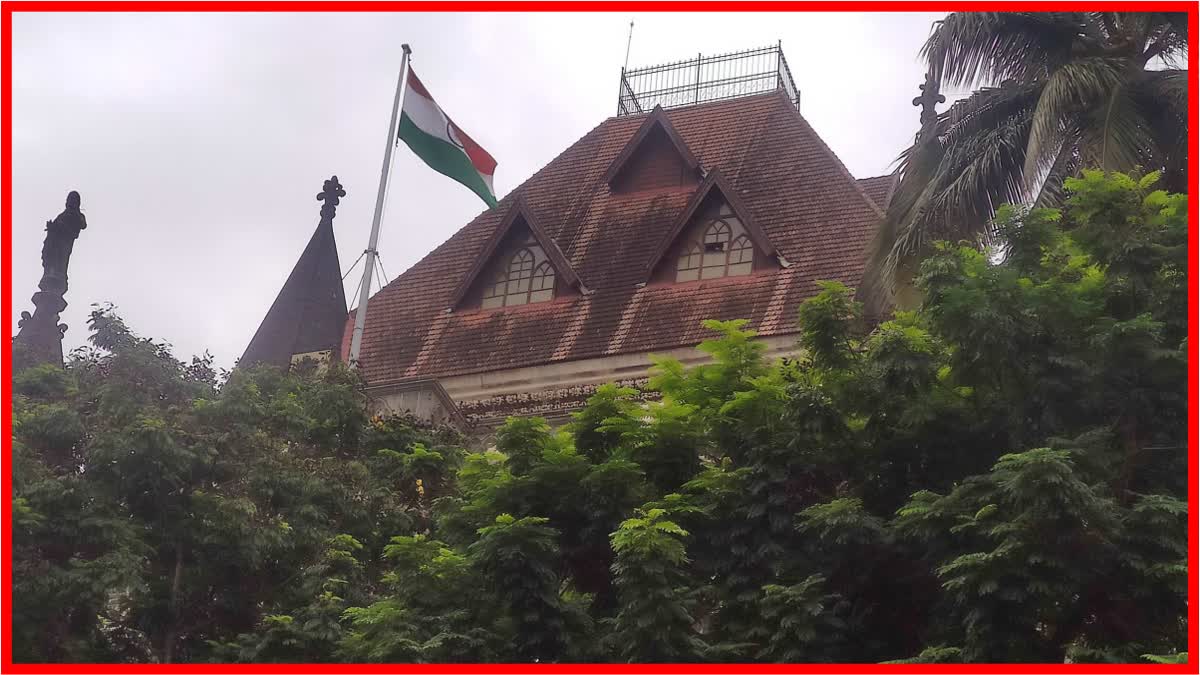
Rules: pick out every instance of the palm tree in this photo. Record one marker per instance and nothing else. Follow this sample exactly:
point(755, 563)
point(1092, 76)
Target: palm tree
point(1057, 92)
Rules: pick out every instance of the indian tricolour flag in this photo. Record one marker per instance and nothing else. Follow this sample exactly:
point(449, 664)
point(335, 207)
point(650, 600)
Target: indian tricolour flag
point(430, 133)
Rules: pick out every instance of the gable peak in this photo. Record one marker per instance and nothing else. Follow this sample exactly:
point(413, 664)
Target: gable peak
point(656, 128)
point(714, 184)
point(518, 215)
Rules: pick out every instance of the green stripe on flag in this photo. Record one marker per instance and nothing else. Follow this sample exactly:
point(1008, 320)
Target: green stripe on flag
point(445, 158)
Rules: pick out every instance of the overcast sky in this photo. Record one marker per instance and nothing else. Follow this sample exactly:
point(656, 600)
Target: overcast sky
point(199, 141)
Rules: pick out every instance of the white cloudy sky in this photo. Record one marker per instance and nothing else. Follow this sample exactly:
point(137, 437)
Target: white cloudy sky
point(199, 141)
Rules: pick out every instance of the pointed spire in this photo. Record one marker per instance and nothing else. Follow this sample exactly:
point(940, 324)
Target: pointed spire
point(309, 314)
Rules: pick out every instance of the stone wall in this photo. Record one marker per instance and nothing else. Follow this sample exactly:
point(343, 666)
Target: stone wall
point(479, 402)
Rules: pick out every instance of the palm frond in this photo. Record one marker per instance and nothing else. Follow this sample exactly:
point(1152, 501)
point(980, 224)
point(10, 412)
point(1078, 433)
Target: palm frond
point(985, 109)
point(977, 175)
point(1116, 135)
point(1067, 163)
point(951, 183)
point(971, 48)
point(1170, 85)
point(916, 167)
point(1074, 89)
point(1162, 98)
point(1156, 34)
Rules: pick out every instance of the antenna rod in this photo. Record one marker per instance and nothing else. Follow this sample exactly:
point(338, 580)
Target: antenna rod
point(627, 44)
point(364, 291)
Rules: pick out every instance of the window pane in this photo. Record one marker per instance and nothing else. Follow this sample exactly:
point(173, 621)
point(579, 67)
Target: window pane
point(495, 301)
point(741, 251)
point(714, 259)
point(714, 272)
point(689, 259)
point(688, 275)
point(541, 296)
point(740, 269)
point(543, 278)
point(518, 286)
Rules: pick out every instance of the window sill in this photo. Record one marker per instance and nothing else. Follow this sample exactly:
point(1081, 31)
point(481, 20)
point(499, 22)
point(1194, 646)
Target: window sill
point(699, 283)
point(528, 307)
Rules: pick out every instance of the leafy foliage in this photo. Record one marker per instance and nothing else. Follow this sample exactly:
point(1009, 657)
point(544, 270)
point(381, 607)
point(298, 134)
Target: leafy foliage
point(996, 476)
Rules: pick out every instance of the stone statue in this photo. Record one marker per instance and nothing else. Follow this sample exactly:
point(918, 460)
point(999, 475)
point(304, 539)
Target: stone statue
point(60, 240)
point(40, 336)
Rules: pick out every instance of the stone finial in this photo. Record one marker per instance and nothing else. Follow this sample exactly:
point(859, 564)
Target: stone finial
point(331, 193)
point(928, 100)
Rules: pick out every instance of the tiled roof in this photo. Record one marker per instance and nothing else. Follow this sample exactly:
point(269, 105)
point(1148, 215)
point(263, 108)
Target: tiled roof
point(879, 189)
point(798, 192)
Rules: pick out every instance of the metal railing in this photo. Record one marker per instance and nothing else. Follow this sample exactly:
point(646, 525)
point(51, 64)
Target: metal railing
point(706, 78)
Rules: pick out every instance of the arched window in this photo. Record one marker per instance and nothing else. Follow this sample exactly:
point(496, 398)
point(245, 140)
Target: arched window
point(715, 255)
point(542, 288)
point(519, 283)
point(741, 257)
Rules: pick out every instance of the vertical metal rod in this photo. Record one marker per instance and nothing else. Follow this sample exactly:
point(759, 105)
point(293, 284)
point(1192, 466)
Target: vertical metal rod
point(698, 62)
point(364, 291)
point(628, 43)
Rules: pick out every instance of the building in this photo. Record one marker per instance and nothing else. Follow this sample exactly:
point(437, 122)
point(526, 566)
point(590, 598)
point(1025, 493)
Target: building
point(619, 248)
point(703, 198)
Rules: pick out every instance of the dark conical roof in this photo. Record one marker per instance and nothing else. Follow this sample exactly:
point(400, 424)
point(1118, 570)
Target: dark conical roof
point(309, 313)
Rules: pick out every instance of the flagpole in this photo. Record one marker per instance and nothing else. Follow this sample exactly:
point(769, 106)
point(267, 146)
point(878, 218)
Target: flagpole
point(360, 315)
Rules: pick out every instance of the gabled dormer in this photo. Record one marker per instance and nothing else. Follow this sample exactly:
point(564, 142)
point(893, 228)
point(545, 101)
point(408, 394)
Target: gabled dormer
point(520, 265)
point(714, 236)
point(655, 158)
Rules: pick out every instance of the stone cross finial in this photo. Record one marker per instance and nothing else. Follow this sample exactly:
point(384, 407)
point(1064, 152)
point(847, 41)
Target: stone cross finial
point(331, 193)
point(928, 100)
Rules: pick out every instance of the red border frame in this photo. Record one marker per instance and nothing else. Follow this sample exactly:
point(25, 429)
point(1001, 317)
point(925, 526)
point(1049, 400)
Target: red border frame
point(8, 8)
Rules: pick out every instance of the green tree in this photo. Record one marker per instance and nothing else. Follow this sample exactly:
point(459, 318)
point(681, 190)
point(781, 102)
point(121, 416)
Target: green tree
point(519, 560)
point(1054, 92)
point(998, 475)
point(654, 624)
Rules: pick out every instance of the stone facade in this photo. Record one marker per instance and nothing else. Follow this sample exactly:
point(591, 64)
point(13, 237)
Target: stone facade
point(479, 402)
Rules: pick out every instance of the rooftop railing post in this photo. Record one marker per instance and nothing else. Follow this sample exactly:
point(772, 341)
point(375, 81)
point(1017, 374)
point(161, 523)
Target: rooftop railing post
point(621, 89)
